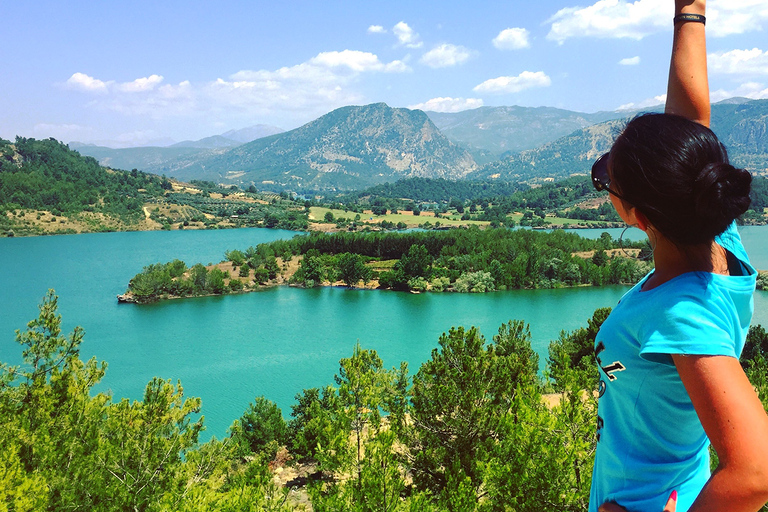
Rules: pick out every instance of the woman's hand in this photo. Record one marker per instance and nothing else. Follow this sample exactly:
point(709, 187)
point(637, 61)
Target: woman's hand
point(613, 507)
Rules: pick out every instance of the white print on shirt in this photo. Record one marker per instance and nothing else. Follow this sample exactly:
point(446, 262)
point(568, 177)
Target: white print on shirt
point(612, 368)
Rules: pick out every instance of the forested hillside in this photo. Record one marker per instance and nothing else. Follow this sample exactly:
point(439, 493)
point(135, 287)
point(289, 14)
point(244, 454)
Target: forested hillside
point(46, 174)
point(46, 187)
point(473, 429)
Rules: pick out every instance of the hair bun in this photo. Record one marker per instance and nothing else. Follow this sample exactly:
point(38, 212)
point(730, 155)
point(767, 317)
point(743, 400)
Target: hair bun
point(721, 193)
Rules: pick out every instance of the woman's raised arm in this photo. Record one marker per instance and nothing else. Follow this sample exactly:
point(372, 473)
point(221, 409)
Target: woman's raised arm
point(688, 88)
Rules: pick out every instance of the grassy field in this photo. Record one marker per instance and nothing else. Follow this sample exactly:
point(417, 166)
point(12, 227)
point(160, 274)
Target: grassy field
point(317, 214)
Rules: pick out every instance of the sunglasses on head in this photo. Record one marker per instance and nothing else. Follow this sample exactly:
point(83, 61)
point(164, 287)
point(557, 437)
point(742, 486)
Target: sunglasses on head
point(600, 178)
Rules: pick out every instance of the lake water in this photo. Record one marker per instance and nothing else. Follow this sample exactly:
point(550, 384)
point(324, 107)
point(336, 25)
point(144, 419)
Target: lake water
point(275, 343)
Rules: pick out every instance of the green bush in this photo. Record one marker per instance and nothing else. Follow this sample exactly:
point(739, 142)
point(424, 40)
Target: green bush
point(261, 428)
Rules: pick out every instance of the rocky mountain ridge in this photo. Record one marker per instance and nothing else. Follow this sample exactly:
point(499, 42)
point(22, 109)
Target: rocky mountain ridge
point(350, 147)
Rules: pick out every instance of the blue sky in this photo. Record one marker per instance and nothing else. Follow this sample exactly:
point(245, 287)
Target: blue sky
point(129, 73)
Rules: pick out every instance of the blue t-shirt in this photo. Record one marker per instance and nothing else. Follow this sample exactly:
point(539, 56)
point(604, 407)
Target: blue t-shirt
point(650, 440)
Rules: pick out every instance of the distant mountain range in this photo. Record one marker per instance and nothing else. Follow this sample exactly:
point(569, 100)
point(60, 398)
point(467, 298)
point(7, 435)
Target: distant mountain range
point(741, 125)
point(501, 131)
point(358, 146)
point(569, 155)
point(149, 158)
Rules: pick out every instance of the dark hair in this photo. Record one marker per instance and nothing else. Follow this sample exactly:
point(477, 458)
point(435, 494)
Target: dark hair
point(676, 172)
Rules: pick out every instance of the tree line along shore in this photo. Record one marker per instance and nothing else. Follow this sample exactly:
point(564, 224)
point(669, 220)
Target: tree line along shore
point(461, 260)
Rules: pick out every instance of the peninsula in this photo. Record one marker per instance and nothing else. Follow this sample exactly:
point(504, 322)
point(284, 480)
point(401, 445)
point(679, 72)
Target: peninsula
point(460, 260)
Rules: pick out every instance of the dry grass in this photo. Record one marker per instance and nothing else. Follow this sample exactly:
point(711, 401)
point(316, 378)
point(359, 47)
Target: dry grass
point(45, 222)
point(611, 253)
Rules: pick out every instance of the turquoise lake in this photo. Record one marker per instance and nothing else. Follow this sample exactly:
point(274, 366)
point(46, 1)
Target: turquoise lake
point(276, 342)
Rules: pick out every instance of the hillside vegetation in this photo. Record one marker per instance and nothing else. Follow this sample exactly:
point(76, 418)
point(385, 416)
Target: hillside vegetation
point(48, 188)
point(457, 260)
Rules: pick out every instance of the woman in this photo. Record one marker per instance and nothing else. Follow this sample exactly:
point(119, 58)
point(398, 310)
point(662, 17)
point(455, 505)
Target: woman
point(670, 379)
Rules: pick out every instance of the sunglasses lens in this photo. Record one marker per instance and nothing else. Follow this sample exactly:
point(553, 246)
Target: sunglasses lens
point(600, 179)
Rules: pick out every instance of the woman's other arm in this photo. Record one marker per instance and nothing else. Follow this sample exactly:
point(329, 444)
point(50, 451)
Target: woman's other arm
point(737, 426)
point(688, 88)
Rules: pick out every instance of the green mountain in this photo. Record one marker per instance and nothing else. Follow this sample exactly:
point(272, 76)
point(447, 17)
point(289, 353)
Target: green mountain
point(491, 132)
point(569, 155)
point(48, 175)
point(743, 128)
point(351, 147)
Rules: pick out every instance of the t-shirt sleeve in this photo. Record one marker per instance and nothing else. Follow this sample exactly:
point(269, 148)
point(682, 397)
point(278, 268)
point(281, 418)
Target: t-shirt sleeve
point(688, 327)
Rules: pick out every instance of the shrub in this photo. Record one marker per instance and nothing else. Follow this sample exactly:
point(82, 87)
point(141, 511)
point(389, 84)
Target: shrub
point(439, 284)
point(418, 284)
point(475, 282)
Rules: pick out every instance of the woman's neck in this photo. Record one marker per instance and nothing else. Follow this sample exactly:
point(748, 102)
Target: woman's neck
point(671, 260)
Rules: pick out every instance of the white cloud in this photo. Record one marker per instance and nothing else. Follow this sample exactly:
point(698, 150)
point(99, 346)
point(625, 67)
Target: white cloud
point(448, 104)
point(636, 20)
point(141, 84)
point(727, 17)
point(376, 29)
point(751, 90)
point(647, 103)
point(630, 61)
point(406, 36)
point(746, 62)
point(291, 94)
point(446, 55)
point(513, 84)
point(512, 39)
point(611, 19)
point(83, 82)
point(357, 61)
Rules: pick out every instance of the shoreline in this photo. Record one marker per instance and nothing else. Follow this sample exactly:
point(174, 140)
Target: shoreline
point(313, 227)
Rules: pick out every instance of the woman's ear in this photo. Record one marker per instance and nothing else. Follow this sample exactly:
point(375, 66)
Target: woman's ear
point(642, 220)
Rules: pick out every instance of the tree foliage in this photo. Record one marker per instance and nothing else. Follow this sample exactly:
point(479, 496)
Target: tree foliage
point(47, 175)
point(471, 431)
